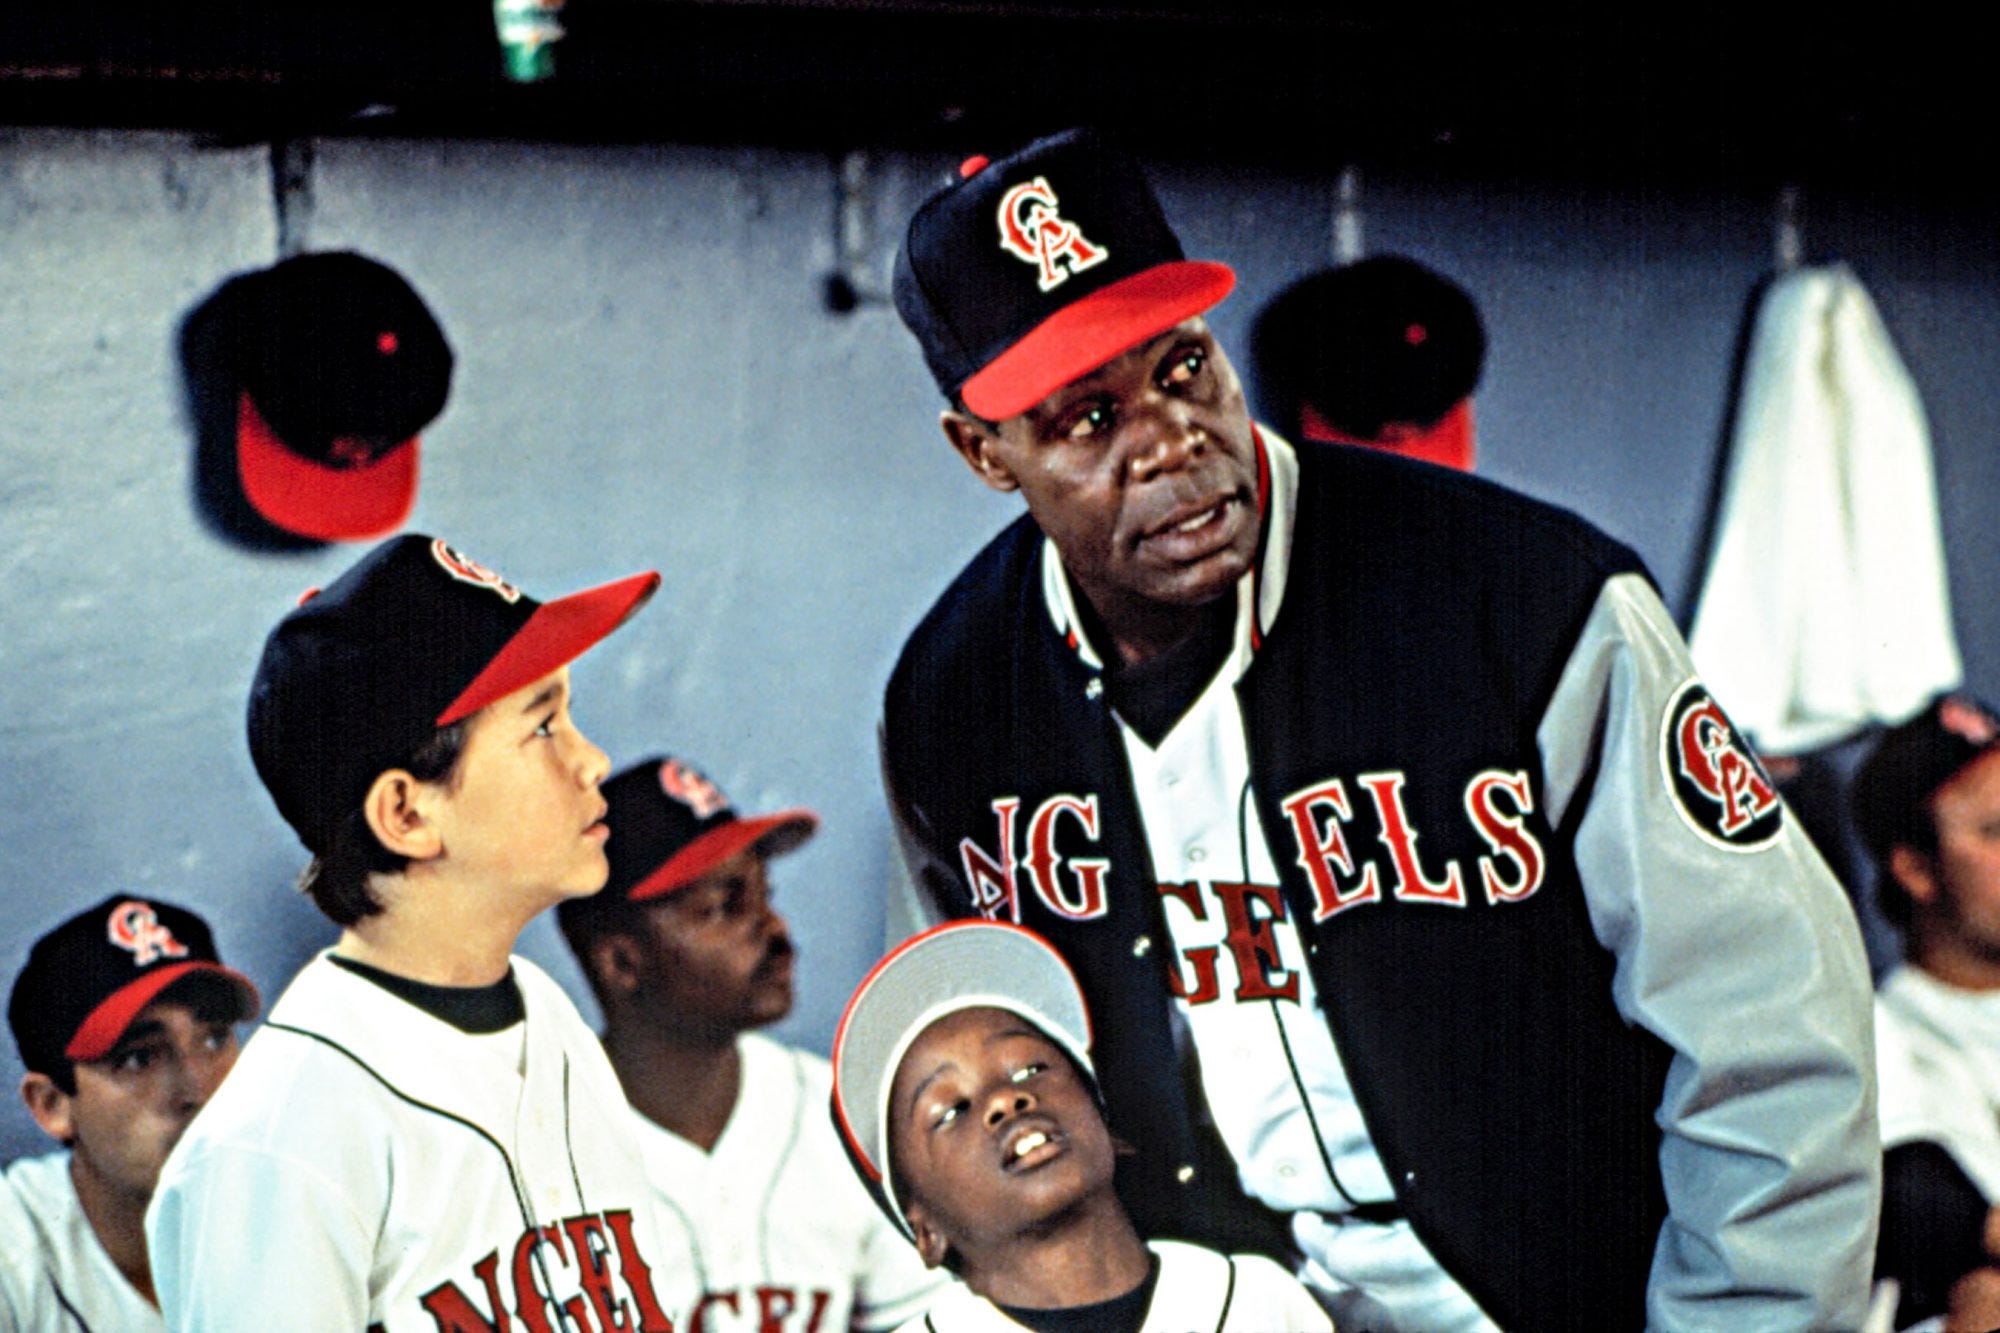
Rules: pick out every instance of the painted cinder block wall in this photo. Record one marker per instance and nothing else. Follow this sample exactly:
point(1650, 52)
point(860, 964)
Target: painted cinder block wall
point(648, 377)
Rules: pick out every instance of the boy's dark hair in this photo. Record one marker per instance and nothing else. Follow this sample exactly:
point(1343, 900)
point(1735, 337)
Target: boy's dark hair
point(337, 880)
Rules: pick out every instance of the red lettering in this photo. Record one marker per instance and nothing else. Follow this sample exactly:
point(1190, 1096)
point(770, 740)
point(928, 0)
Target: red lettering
point(1206, 987)
point(774, 1306)
point(821, 1297)
point(1252, 943)
point(638, 1276)
point(454, 1313)
point(1322, 849)
point(992, 881)
point(1712, 761)
point(532, 1300)
point(1044, 860)
point(1401, 840)
point(1505, 834)
point(698, 1324)
point(586, 1237)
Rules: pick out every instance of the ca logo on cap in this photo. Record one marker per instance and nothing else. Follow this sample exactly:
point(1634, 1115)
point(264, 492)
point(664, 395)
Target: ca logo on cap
point(1032, 231)
point(471, 571)
point(134, 927)
point(1718, 786)
point(691, 789)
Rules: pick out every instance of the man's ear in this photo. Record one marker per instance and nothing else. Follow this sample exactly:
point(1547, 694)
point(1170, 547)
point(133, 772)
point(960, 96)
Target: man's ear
point(932, 1247)
point(615, 961)
point(398, 810)
point(1915, 872)
point(50, 1106)
point(974, 443)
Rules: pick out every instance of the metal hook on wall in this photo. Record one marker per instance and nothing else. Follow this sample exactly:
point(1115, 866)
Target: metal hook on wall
point(292, 194)
point(1345, 240)
point(1787, 235)
point(849, 285)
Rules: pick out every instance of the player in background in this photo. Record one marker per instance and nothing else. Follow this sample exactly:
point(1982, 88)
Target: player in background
point(424, 1135)
point(126, 1022)
point(1417, 885)
point(964, 1085)
point(1927, 803)
point(688, 957)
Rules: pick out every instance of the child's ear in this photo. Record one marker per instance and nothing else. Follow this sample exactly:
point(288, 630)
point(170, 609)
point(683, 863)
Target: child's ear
point(397, 808)
point(931, 1245)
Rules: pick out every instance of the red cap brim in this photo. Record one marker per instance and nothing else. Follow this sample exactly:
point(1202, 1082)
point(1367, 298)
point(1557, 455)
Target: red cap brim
point(105, 1026)
point(324, 503)
point(1449, 442)
point(1085, 334)
point(775, 834)
point(557, 634)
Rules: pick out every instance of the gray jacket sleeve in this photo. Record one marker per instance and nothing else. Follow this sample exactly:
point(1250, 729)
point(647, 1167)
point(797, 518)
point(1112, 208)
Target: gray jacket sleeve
point(1735, 946)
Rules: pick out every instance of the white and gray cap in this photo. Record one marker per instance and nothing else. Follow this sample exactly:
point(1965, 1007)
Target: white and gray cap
point(959, 965)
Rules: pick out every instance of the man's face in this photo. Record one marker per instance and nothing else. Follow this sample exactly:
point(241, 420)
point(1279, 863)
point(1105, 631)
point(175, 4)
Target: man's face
point(1966, 812)
point(522, 810)
point(993, 1132)
point(1142, 472)
point(130, 1107)
point(715, 957)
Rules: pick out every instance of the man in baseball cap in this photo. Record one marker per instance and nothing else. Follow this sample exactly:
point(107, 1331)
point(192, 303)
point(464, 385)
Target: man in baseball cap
point(964, 1087)
point(126, 1022)
point(688, 958)
point(1926, 801)
point(1337, 777)
point(420, 1100)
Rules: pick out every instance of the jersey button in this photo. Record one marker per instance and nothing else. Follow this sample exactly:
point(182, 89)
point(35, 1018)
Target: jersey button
point(1197, 853)
point(1142, 946)
point(1185, 1175)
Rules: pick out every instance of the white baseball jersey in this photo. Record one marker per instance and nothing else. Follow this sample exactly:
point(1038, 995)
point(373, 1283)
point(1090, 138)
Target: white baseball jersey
point(1199, 1291)
point(54, 1273)
point(784, 1238)
point(367, 1165)
point(1937, 1050)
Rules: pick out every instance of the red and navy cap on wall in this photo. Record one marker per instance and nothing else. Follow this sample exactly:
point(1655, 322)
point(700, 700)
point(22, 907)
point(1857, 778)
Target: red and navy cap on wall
point(1031, 271)
point(414, 637)
point(86, 980)
point(1382, 352)
point(338, 365)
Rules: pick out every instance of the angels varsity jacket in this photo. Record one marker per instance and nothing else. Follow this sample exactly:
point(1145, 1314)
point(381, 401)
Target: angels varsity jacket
point(1607, 1019)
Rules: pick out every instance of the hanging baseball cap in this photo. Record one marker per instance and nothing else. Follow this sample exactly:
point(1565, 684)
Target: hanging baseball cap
point(414, 637)
point(1031, 271)
point(959, 965)
point(670, 826)
point(1382, 352)
point(90, 977)
point(338, 365)
point(1893, 787)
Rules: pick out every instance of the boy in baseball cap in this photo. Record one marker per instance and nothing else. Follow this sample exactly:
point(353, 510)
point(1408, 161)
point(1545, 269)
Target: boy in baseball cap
point(688, 957)
point(126, 1022)
point(964, 1087)
point(1927, 803)
point(424, 1134)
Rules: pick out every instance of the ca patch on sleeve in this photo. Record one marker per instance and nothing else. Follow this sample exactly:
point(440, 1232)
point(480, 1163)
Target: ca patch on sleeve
point(1713, 776)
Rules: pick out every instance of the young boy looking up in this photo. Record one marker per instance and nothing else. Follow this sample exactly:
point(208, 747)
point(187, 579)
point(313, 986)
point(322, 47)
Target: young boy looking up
point(424, 1134)
point(688, 956)
point(964, 1087)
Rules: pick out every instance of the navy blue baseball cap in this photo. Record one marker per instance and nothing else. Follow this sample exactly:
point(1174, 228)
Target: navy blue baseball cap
point(1031, 271)
point(670, 826)
point(339, 365)
point(414, 637)
point(1911, 762)
point(90, 977)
